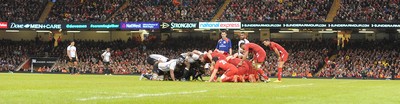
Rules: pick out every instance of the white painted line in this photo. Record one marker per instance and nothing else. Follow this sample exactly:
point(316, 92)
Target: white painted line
point(298, 85)
point(141, 95)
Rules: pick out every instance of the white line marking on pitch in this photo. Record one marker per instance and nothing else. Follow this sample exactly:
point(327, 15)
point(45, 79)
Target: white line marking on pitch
point(142, 95)
point(298, 85)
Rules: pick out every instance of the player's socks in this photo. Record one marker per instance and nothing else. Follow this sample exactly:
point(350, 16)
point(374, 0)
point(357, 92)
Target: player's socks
point(107, 71)
point(75, 71)
point(279, 74)
point(201, 78)
point(70, 70)
point(185, 74)
point(261, 72)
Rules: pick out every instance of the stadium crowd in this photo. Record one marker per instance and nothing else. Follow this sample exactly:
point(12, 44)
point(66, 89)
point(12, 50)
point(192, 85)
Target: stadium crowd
point(371, 59)
point(304, 58)
point(21, 10)
point(78, 11)
point(368, 10)
point(13, 53)
point(156, 10)
point(277, 11)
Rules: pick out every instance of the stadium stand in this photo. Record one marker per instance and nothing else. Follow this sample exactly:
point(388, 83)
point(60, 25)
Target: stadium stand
point(304, 58)
point(155, 10)
point(368, 10)
point(373, 58)
point(21, 10)
point(13, 53)
point(78, 11)
point(274, 10)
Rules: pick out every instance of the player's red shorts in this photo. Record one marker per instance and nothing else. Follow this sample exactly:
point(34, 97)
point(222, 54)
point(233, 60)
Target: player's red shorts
point(231, 72)
point(284, 57)
point(260, 56)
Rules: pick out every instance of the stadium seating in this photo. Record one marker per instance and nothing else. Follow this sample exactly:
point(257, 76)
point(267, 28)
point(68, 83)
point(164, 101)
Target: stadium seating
point(14, 53)
point(77, 11)
point(155, 10)
point(368, 10)
point(273, 10)
point(304, 58)
point(375, 58)
point(21, 10)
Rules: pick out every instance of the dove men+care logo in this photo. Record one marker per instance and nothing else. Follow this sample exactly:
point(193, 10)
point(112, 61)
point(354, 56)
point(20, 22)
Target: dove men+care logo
point(34, 26)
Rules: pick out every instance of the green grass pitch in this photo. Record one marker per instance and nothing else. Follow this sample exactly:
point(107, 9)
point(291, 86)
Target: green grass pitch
point(67, 89)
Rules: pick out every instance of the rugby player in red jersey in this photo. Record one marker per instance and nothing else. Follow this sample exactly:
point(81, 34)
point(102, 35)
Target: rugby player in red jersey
point(282, 55)
point(230, 70)
point(242, 69)
point(259, 57)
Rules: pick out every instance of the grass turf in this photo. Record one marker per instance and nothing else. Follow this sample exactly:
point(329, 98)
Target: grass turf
point(66, 89)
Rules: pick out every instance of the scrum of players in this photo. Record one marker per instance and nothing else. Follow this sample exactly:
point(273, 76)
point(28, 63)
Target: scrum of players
point(237, 67)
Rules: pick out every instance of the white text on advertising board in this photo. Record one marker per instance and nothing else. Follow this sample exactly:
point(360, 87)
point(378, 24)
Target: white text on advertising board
point(349, 25)
point(104, 26)
point(76, 26)
point(149, 25)
point(258, 25)
point(220, 25)
point(304, 25)
point(386, 25)
point(35, 26)
point(3, 24)
point(183, 25)
point(133, 26)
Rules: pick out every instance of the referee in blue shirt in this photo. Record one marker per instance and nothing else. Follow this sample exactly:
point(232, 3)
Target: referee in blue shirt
point(224, 44)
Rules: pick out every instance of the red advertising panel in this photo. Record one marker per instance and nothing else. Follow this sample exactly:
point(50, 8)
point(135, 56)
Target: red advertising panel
point(3, 25)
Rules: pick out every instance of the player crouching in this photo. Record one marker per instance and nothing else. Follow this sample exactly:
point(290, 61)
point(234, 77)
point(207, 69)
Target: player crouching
point(230, 74)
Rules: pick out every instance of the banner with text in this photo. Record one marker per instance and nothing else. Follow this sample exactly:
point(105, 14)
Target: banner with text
point(75, 26)
point(139, 25)
point(3, 25)
point(320, 25)
point(179, 25)
point(219, 25)
point(33, 26)
point(104, 26)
